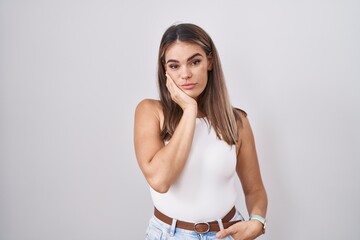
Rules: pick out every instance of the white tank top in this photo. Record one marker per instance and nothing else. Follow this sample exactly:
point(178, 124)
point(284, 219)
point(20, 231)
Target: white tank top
point(205, 190)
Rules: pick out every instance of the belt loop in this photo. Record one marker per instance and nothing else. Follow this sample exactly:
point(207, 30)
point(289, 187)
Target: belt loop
point(221, 225)
point(173, 227)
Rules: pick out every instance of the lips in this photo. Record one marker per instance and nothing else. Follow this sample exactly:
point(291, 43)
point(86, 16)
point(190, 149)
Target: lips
point(188, 86)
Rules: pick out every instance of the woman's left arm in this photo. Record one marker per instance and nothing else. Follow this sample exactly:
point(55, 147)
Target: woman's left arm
point(248, 171)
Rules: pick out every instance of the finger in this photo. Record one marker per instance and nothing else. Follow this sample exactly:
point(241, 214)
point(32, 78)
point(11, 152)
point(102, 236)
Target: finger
point(169, 86)
point(168, 78)
point(167, 75)
point(172, 87)
point(225, 232)
point(168, 81)
point(171, 81)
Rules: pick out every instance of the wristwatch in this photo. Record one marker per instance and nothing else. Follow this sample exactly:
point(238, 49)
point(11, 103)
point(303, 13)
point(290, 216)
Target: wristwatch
point(260, 219)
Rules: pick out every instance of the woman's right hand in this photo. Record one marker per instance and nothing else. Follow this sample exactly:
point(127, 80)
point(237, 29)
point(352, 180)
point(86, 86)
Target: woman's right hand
point(179, 96)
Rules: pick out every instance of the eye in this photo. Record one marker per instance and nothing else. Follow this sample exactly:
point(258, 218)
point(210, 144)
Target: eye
point(173, 66)
point(196, 62)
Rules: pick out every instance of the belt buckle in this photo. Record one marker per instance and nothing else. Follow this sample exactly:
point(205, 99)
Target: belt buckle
point(201, 224)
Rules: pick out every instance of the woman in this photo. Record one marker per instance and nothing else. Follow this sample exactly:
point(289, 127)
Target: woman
point(192, 143)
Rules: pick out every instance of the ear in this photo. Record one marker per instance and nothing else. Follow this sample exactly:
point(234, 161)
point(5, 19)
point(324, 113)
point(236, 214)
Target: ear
point(210, 61)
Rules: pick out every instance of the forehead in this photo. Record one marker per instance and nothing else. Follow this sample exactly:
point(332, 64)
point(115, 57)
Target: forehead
point(182, 50)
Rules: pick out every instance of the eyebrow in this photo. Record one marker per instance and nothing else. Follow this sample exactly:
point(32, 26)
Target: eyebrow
point(189, 59)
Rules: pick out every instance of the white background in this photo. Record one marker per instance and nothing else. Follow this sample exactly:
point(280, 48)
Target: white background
point(72, 72)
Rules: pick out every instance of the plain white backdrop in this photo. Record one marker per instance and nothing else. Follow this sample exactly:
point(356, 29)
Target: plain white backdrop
point(72, 72)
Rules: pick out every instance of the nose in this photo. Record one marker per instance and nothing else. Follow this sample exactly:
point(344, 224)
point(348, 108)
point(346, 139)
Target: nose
point(185, 73)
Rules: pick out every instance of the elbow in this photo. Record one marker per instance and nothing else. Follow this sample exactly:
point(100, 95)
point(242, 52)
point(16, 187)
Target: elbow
point(259, 192)
point(159, 185)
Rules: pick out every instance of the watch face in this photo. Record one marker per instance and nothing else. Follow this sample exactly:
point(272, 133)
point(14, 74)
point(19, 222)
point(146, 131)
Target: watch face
point(264, 227)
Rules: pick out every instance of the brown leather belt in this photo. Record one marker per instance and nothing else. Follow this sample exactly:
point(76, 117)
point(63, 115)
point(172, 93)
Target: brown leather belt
point(199, 227)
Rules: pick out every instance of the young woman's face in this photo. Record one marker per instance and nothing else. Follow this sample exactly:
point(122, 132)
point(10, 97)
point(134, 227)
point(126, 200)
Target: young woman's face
point(188, 65)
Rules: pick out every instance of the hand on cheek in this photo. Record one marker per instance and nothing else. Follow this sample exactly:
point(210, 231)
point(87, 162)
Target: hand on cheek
point(179, 96)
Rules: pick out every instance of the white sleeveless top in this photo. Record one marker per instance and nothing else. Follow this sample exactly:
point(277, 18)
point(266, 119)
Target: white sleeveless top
point(205, 190)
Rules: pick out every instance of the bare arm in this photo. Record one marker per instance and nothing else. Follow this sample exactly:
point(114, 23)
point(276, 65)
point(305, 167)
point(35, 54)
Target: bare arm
point(248, 171)
point(162, 164)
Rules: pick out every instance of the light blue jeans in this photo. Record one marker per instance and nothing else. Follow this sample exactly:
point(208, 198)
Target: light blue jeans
point(158, 230)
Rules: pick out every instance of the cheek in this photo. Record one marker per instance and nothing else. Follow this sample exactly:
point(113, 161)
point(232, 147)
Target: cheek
point(201, 72)
point(176, 79)
point(204, 76)
point(204, 84)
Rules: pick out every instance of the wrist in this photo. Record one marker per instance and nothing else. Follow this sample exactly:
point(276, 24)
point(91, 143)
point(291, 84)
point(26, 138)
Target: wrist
point(190, 110)
point(259, 219)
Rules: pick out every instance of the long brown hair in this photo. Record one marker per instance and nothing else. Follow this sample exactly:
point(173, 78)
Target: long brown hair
point(213, 102)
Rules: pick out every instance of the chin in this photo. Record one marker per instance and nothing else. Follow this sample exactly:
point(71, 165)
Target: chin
point(192, 93)
point(194, 96)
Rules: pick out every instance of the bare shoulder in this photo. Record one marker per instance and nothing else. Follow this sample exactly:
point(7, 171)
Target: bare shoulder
point(149, 109)
point(245, 134)
point(148, 104)
point(241, 118)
